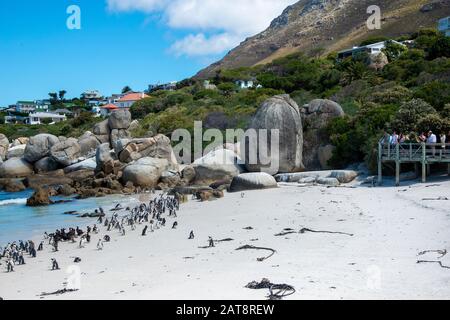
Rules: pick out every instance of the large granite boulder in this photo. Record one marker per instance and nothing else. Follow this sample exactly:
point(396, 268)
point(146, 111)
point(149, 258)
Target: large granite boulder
point(4, 145)
point(102, 131)
point(119, 119)
point(344, 176)
point(378, 61)
point(15, 168)
point(67, 152)
point(16, 152)
point(157, 147)
point(283, 114)
point(104, 159)
point(220, 164)
point(46, 164)
point(316, 142)
point(253, 181)
point(88, 143)
point(145, 172)
point(39, 146)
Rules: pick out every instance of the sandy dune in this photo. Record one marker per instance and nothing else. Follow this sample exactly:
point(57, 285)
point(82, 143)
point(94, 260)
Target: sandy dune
point(391, 225)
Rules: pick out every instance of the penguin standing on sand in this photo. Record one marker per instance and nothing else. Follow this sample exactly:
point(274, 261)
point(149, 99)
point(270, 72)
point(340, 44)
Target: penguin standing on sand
point(211, 242)
point(55, 265)
point(10, 265)
point(175, 224)
point(144, 232)
point(100, 244)
point(41, 246)
point(191, 235)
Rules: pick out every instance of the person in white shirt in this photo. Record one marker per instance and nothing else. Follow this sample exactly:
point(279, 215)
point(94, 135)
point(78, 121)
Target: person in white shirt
point(432, 140)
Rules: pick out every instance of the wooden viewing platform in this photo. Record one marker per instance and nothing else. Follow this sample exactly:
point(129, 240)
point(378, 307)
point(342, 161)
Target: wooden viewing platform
point(417, 153)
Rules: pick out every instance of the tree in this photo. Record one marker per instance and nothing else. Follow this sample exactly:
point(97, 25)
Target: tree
point(437, 93)
point(440, 48)
point(126, 89)
point(227, 87)
point(393, 50)
point(355, 71)
point(53, 96)
point(409, 115)
point(62, 93)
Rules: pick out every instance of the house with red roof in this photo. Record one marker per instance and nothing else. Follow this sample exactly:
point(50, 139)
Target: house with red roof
point(107, 109)
point(129, 99)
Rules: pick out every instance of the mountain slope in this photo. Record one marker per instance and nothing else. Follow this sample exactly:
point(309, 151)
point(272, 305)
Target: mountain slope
point(329, 24)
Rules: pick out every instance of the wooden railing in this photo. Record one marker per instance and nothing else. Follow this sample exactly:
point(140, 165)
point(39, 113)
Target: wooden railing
point(414, 152)
point(423, 153)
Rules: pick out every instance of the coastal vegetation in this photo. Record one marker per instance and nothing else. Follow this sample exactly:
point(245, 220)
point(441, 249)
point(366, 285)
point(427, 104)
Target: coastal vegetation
point(410, 94)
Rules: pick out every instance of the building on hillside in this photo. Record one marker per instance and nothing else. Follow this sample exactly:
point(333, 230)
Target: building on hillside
point(170, 86)
point(374, 48)
point(245, 84)
point(39, 118)
point(106, 110)
point(129, 99)
point(444, 26)
point(25, 106)
point(91, 95)
point(114, 98)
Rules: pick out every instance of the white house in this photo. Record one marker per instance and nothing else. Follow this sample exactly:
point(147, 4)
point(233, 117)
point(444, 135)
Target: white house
point(129, 99)
point(170, 86)
point(444, 26)
point(245, 84)
point(90, 95)
point(36, 118)
point(373, 48)
point(25, 106)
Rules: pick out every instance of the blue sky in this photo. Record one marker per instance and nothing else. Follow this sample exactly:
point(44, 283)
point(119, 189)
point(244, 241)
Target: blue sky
point(121, 42)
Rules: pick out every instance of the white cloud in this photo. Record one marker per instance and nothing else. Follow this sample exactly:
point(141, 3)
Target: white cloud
point(200, 45)
point(215, 25)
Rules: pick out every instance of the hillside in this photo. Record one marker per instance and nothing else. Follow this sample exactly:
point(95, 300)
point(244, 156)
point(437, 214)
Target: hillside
point(332, 25)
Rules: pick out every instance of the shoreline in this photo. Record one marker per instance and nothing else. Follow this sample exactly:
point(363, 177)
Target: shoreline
point(390, 227)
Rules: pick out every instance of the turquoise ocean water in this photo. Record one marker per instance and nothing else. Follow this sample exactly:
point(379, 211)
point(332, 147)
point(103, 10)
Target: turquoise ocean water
point(19, 222)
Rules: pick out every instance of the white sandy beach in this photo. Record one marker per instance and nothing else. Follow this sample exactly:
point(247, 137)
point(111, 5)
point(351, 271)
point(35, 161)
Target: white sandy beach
point(391, 225)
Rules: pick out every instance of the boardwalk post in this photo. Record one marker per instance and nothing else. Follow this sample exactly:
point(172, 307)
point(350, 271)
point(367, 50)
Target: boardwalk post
point(380, 164)
point(397, 165)
point(424, 168)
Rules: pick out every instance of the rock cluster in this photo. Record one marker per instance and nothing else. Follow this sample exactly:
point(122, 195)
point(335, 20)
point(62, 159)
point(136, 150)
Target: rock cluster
point(109, 161)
